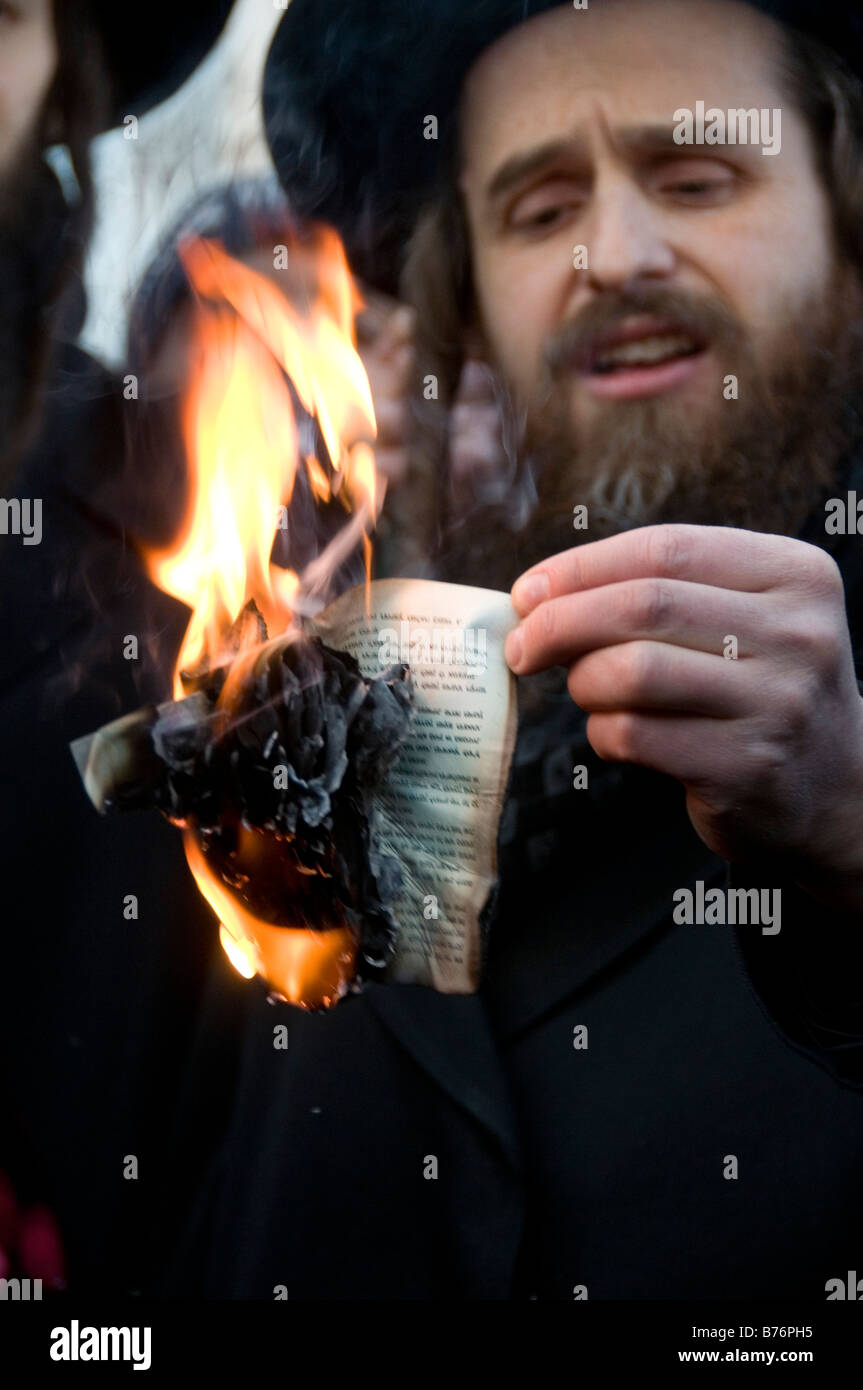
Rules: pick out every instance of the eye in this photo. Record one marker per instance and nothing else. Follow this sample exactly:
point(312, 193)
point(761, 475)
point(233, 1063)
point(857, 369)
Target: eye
point(543, 208)
point(545, 217)
point(700, 182)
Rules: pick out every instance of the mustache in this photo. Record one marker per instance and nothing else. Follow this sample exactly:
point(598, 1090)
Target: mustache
point(699, 318)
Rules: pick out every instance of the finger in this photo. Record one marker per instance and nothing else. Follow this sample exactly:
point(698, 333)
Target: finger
point(476, 384)
point(392, 464)
point(655, 676)
point(391, 418)
point(469, 462)
point(386, 322)
point(369, 323)
point(698, 616)
point(474, 417)
point(402, 326)
point(719, 555)
point(389, 375)
point(697, 752)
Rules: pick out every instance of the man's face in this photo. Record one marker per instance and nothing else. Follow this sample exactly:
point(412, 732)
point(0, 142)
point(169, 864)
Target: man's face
point(597, 89)
point(702, 260)
point(31, 216)
point(28, 62)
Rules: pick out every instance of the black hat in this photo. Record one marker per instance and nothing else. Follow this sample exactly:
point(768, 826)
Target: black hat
point(348, 88)
point(151, 56)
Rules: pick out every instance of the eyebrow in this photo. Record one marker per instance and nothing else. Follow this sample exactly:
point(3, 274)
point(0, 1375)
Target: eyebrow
point(639, 140)
point(521, 166)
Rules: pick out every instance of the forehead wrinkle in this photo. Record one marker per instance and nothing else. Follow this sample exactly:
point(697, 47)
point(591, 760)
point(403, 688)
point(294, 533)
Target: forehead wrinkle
point(634, 140)
point(529, 50)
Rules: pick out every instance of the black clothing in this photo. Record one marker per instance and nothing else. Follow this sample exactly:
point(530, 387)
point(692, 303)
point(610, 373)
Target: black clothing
point(94, 1005)
point(608, 1169)
point(406, 1144)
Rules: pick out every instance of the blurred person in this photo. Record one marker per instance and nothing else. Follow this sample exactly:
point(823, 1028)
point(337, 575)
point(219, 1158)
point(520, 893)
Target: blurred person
point(88, 1003)
point(53, 94)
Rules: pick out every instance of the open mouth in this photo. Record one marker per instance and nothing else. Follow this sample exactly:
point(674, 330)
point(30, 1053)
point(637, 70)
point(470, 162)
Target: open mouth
point(640, 358)
point(644, 352)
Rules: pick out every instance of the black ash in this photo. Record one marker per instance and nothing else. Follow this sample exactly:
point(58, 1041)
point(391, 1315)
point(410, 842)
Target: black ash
point(273, 761)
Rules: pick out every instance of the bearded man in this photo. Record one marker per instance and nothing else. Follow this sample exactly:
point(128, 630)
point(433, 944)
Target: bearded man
point(637, 1104)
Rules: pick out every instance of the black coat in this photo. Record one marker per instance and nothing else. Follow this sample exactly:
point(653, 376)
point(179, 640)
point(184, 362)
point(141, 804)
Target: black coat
point(95, 1009)
point(406, 1144)
point(561, 1171)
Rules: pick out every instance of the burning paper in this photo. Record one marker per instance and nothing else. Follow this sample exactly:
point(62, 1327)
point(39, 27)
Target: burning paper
point(276, 752)
point(272, 765)
point(271, 752)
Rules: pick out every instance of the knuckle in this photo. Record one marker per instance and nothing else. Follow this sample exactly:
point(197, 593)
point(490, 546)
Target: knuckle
point(461, 420)
point(651, 603)
point(766, 762)
point(825, 643)
point(624, 736)
point(815, 642)
point(821, 574)
point(636, 669)
point(794, 706)
point(666, 550)
point(795, 712)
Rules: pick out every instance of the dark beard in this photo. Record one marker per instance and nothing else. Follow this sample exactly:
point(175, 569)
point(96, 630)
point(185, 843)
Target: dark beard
point(764, 463)
point(33, 253)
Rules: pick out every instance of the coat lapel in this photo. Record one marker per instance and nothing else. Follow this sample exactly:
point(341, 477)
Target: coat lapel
point(449, 1037)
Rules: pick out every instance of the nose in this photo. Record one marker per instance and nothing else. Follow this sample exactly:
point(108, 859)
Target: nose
point(624, 238)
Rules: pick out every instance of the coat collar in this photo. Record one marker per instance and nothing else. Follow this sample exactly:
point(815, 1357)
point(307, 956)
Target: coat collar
point(450, 1038)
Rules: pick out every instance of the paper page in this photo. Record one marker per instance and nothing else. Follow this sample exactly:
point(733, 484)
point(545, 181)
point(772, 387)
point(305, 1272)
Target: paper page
point(440, 810)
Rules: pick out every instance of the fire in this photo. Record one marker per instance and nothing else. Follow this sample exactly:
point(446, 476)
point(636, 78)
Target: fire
point(248, 341)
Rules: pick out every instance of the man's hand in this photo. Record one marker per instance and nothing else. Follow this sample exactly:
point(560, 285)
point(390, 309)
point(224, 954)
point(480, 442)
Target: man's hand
point(722, 658)
point(385, 338)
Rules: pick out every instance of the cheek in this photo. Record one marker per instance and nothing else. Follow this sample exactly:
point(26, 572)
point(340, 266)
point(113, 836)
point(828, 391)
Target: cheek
point(27, 66)
point(520, 307)
point(767, 268)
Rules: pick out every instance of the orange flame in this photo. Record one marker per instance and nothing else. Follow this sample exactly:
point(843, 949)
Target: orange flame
point(241, 440)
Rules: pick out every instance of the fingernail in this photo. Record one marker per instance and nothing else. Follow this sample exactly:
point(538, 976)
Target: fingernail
point(530, 591)
point(513, 649)
point(403, 322)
